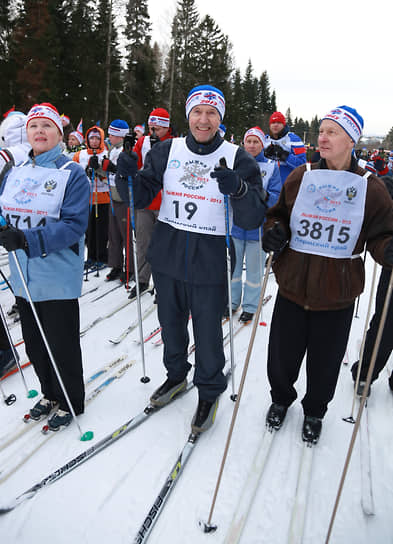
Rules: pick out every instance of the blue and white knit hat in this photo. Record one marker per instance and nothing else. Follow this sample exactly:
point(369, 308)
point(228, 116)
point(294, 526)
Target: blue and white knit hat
point(222, 130)
point(118, 127)
point(206, 95)
point(348, 119)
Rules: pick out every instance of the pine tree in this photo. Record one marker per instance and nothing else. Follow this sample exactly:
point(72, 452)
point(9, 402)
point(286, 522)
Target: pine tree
point(142, 70)
point(36, 63)
point(180, 74)
point(6, 70)
point(213, 62)
point(234, 108)
point(250, 113)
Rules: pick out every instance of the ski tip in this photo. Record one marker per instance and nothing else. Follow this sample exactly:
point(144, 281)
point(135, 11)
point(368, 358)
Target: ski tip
point(207, 527)
point(263, 324)
point(32, 393)
point(26, 418)
point(88, 435)
point(45, 429)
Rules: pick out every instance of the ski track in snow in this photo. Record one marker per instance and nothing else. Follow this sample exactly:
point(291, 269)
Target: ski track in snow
point(107, 498)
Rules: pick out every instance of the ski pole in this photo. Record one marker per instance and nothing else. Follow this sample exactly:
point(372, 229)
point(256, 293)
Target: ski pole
point(223, 164)
point(29, 393)
point(88, 435)
point(362, 402)
point(208, 527)
point(128, 149)
point(96, 226)
point(350, 418)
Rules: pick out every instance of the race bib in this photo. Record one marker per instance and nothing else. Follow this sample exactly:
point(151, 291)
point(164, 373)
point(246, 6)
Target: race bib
point(33, 195)
point(328, 213)
point(191, 199)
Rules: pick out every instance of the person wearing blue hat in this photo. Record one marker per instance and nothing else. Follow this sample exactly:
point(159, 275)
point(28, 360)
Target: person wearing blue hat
point(326, 214)
point(187, 251)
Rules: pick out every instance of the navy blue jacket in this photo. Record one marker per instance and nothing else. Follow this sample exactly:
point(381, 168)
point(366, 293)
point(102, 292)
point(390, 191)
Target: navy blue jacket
point(189, 256)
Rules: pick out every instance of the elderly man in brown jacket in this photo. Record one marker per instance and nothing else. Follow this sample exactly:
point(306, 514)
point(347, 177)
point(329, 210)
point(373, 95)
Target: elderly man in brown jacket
point(326, 214)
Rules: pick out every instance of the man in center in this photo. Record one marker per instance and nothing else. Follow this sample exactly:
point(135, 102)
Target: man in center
point(187, 252)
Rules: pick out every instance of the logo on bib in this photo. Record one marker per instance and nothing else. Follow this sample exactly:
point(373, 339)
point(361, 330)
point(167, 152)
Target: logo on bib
point(351, 193)
point(194, 176)
point(329, 198)
point(27, 193)
point(50, 185)
point(174, 163)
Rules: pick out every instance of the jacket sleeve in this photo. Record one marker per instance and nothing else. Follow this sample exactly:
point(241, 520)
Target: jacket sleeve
point(249, 208)
point(72, 224)
point(297, 155)
point(274, 186)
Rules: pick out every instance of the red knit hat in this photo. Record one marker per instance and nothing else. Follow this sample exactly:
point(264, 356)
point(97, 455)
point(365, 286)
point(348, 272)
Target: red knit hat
point(45, 111)
point(277, 117)
point(159, 117)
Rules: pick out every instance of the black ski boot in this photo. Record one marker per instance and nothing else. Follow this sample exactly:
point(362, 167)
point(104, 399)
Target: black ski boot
point(59, 420)
point(167, 391)
point(312, 427)
point(114, 274)
point(142, 288)
point(42, 409)
point(360, 389)
point(7, 361)
point(246, 317)
point(275, 416)
point(204, 416)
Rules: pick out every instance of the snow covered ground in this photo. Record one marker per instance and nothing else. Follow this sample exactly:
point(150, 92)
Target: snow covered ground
point(107, 498)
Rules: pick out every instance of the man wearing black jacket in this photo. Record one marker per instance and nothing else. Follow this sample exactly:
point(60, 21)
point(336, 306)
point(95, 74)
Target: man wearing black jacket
point(187, 252)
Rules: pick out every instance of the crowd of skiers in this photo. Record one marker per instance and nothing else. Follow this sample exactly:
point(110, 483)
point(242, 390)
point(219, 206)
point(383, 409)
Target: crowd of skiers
point(198, 200)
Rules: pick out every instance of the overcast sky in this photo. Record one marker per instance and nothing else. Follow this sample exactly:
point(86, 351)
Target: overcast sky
point(317, 55)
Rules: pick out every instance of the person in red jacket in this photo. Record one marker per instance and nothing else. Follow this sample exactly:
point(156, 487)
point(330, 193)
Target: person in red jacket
point(159, 130)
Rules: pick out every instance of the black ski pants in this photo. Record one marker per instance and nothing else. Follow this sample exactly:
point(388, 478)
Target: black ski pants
point(323, 335)
point(386, 345)
point(60, 322)
point(4, 344)
point(176, 299)
point(97, 233)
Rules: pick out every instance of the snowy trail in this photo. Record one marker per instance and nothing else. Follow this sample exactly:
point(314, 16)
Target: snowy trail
point(105, 500)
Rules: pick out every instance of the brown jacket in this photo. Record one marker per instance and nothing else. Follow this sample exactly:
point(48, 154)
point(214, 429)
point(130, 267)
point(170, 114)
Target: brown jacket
point(323, 283)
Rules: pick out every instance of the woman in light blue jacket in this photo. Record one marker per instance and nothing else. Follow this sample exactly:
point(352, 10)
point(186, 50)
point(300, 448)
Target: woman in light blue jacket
point(247, 242)
point(45, 202)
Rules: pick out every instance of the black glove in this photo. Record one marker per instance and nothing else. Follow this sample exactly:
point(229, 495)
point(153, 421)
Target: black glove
point(388, 254)
point(379, 164)
point(93, 163)
point(229, 181)
point(274, 239)
point(108, 166)
point(154, 139)
point(12, 238)
point(270, 152)
point(127, 164)
point(281, 154)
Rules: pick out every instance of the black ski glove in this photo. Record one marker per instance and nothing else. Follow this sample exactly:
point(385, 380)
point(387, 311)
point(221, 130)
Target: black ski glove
point(127, 164)
point(388, 254)
point(12, 238)
point(108, 165)
point(281, 154)
point(274, 239)
point(270, 152)
point(93, 163)
point(229, 181)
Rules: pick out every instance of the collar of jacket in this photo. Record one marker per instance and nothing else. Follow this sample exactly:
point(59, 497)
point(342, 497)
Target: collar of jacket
point(203, 149)
point(353, 166)
point(46, 159)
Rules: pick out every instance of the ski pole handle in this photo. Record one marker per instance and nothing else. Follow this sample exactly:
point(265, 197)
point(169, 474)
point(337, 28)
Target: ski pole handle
point(223, 164)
